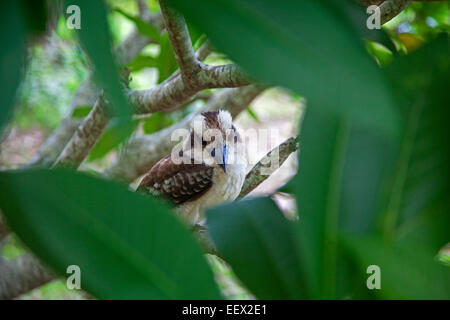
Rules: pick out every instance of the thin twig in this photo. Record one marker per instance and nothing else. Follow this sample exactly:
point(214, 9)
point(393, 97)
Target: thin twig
point(263, 169)
point(181, 42)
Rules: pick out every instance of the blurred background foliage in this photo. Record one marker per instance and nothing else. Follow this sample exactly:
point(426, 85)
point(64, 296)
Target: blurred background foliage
point(58, 65)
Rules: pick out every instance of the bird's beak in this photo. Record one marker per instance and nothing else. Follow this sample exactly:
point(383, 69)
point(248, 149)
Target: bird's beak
point(224, 157)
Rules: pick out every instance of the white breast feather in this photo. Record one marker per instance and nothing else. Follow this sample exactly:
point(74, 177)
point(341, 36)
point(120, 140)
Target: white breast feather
point(226, 187)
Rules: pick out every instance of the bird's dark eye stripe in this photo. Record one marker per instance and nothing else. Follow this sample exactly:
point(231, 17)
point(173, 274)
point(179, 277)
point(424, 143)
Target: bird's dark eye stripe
point(204, 143)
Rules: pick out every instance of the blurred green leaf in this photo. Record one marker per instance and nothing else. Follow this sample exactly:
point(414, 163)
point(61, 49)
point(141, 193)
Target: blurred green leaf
point(156, 122)
point(81, 111)
point(417, 202)
point(410, 41)
point(313, 49)
point(95, 38)
point(142, 62)
point(351, 11)
point(444, 255)
point(318, 187)
point(116, 132)
point(405, 273)
point(143, 27)
point(128, 246)
point(12, 37)
point(35, 15)
point(342, 166)
point(166, 61)
point(382, 54)
point(197, 37)
point(261, 248)
point(348, 176)
point(252, 114)
point(201, 40)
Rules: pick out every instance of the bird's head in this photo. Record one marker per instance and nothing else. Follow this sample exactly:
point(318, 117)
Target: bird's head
point(215, 135)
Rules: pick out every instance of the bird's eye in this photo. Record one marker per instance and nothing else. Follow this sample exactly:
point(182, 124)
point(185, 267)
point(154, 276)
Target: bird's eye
point(213, 152)
point(203, 143)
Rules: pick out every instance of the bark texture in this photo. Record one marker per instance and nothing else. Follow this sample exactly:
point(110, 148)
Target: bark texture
point(391, 8)
point(21, 275)
point(85, 137)
point(255, 176)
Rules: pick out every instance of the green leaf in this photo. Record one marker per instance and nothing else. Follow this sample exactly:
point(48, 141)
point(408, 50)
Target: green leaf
point(199, 42)
point(128, 246)
point(167, 63)
point(95, 38)
point(342, 166)
point(35, 15)
point(143, 27)
point(406, 273)
point(252, 114)
point(156, 122)
point(12, 37)
point(345, 171)
point(81, 111)
point(318, 192)
point(417, 202)
point(313, 49)
point(382, 54)
point(116, 133)
point(352, 12)
point(258, 242)
point(142, 62)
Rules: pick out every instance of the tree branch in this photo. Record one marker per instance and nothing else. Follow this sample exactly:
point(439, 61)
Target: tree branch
point(181, 42)
point(391, 8)
point(255, 176)
point(21, 275)
point(85, 137)
point(174, 91)
point(204, 51)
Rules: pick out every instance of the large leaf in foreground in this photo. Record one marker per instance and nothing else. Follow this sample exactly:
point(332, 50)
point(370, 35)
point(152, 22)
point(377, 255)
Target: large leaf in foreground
point(127, 245)
point(341, 171)
point(12, 37)
point(95, 37)
point(309, 46)
point(258, 242)
point(410, 273)
point(417, 203)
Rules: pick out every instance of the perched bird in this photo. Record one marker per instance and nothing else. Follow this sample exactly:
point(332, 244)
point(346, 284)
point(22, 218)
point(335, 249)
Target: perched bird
point(207, 168)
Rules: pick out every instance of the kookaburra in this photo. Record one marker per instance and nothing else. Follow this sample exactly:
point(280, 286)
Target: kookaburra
point(207, 168)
